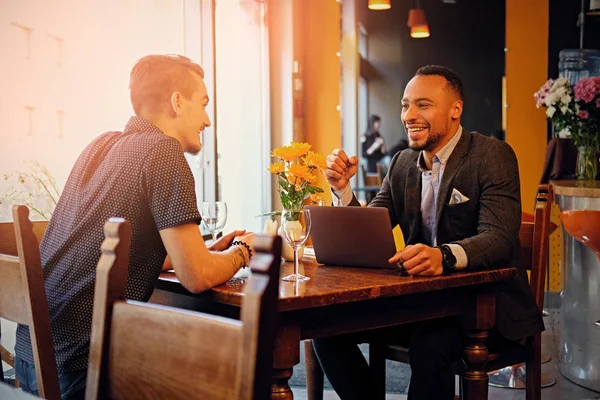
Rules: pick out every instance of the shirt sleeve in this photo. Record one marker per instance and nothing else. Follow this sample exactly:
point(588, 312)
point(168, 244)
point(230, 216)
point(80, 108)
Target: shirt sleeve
point(170, 187)
point(462, 261)
point(342, 197)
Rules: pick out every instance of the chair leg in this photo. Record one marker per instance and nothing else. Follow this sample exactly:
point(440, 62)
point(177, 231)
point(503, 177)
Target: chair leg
point(377, 368)
point(533, 390)
point(314, 373)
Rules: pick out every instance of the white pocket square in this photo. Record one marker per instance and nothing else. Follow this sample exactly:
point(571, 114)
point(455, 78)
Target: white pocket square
point(457, 197)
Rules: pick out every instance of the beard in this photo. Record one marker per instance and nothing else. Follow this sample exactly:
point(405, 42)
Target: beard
point(430, 142)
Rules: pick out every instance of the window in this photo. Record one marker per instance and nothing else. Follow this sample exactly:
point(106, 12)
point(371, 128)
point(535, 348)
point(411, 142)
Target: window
point(363, 48)
point(242, 114)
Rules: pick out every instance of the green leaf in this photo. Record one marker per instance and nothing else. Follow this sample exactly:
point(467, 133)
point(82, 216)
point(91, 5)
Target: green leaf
point(315, 189)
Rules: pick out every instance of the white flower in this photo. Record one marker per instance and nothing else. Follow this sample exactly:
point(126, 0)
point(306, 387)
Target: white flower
point(35, 188)
point(564, 109)
point(561, 91)
point(30, 184)
point(566, 99)
point(564, 133)
point(550, 111)
point(550, 100)
point(558, 83)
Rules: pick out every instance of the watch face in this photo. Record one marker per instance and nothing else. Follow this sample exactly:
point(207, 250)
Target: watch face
point(449, 259)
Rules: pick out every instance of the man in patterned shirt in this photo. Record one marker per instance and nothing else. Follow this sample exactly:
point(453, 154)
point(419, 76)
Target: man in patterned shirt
point(139, 174)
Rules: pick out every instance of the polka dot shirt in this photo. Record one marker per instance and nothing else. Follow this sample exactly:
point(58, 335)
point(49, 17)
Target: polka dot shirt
point(141, 175)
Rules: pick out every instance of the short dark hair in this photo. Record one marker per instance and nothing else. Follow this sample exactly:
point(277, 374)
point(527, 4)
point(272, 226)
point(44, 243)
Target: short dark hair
point(451, 77)
point(155, 77)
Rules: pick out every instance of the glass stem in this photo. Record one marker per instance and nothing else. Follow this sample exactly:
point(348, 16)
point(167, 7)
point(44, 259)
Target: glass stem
point(214, 236)
point(296, 261)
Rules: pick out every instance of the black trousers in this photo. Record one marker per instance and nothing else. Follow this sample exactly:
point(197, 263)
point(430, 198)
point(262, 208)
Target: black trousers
point(433, 347)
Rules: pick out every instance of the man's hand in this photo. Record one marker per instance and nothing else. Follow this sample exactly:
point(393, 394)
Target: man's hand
point(248, 238)
point(224, 241)
point(340, 168)
point(420, 259)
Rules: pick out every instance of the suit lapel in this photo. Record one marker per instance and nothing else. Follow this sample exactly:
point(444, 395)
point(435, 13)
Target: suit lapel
point(455, 161)
point(412, 198)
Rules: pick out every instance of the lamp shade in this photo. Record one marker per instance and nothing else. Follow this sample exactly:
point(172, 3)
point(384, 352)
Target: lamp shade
point(416, 16)
point(419, 31)
point(379, 4)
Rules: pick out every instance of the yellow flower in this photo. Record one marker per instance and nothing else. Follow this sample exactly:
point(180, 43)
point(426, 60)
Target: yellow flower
point(299, 149)
point(310, 178)
point(286, 153)
point(298, 170)
point(296, 173)
point(276, 168)
point(291, 152)
point(315, 198)
point(315, 160)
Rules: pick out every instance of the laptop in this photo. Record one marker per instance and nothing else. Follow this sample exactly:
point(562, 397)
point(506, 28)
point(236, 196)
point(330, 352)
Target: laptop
point(352, 236)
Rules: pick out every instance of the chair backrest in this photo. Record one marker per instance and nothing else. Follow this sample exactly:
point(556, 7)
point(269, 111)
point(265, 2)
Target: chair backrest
point(372, 178)
point(535, 239)
point(141, 350)
point(23, 296)
point(8, 244)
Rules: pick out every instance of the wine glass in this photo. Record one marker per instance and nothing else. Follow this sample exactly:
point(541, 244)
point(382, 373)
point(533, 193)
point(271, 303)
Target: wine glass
point(214, 216)
point(295, 226)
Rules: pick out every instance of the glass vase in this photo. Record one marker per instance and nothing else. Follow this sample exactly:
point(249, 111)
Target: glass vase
point(587, 163)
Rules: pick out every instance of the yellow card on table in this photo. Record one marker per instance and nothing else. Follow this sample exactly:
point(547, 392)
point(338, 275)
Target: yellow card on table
point(398, 238)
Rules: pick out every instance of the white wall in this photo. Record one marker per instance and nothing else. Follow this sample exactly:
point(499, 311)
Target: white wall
point(87, 79)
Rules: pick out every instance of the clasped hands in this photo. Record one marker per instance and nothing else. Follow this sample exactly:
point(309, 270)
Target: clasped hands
point(420, 260)
point(224, 241)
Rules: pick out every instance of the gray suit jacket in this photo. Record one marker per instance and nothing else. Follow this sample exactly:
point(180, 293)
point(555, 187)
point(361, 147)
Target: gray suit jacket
point(486, 226)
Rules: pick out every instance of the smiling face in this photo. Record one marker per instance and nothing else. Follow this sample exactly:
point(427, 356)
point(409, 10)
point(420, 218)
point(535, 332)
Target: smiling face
point(431, 112)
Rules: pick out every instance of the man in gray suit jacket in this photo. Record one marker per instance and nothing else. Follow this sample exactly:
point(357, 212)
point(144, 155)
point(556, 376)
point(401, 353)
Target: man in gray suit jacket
point(456, 196)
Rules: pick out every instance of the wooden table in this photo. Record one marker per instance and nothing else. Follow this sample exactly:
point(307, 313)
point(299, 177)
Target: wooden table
point(342, 300)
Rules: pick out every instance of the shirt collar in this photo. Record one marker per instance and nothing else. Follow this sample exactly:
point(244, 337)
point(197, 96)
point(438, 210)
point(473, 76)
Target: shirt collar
point(443, 154)
point(139, 124)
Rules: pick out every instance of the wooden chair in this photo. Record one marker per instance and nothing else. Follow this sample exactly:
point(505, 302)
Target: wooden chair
point(372, 178)
point(23, 295)
point(140, 350)
point(8, 246)
point(8, 243)
point(534, 238)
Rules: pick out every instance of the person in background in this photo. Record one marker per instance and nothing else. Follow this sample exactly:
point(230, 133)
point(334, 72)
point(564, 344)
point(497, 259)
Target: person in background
point(373, 145)
point(141, 175)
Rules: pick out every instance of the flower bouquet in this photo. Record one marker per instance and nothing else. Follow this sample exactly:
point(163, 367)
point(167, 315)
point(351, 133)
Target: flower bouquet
point(296, 171)
point(35, 188)
point(576, 110)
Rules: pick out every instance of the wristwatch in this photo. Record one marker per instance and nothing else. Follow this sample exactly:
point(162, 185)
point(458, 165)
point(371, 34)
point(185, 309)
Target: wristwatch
point(448, 259)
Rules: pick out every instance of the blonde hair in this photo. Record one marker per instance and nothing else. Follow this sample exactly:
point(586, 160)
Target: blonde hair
point(155, 77)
